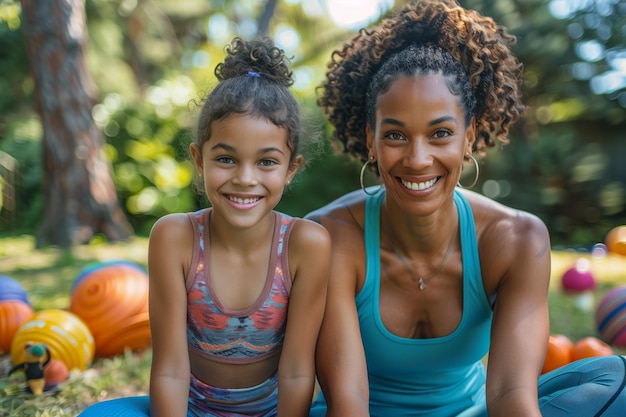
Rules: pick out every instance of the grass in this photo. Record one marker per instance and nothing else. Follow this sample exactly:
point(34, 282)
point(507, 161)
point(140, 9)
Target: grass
point(48, 275)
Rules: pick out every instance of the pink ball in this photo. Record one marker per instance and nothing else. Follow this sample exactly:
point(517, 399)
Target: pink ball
point(579, 277)
point(611, 317)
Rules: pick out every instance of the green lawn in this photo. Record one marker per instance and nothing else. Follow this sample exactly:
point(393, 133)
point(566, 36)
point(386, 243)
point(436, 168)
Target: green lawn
point(48, 275)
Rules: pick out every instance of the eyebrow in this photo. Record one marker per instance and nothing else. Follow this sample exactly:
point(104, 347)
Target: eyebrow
point(262, 151)
point(392, 121)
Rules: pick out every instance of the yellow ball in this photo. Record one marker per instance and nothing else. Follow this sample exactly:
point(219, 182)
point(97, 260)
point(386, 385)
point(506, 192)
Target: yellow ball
point(64, 333)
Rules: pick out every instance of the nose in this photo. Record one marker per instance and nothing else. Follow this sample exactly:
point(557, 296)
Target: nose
point(245, 175)
point(419, 155)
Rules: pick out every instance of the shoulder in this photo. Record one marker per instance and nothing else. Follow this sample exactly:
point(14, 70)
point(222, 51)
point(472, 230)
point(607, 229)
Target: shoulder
point(309, 250)
point(342, 217)
point(496, 221)
point(508, 238)
point(308, 235)
point(339, 208)
point(171, 228)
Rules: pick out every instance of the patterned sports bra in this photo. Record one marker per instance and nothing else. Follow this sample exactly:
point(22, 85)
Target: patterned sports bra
point(237, 336)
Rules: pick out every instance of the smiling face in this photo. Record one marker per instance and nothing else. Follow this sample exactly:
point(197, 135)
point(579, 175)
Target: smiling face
point(419, 141)
point(245, 165)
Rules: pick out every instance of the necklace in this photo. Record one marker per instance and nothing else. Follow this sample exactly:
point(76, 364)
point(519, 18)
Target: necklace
point(422, 280)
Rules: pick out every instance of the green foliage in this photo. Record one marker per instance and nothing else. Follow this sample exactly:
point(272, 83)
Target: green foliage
point(147, 145)
point(572, 183)
point(150, 60)
point(15, 84)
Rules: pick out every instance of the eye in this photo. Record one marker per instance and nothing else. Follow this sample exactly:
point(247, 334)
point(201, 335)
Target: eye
point(225, 160)
point(394, 135)
point(267, 162)
point(442, 133)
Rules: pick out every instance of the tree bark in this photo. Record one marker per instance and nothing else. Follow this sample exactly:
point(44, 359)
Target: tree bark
point(80, 199)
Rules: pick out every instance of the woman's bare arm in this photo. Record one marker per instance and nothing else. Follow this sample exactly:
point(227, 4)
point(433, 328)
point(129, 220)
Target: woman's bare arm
point(520, 326)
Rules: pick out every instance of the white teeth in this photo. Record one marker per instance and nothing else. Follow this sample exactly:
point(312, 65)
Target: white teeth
point(418, 186)
point(243, 200)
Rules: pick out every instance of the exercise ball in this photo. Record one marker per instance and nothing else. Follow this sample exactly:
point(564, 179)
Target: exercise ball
point(13, 313)
point(113, 300)
point(66, 335)
point(11, 289)
point(590, 346)
point(91, 268)
point(610, 317)
point(559, 352)
point(616, 240)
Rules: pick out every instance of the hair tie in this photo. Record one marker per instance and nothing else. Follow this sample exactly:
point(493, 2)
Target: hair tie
point(253, 74)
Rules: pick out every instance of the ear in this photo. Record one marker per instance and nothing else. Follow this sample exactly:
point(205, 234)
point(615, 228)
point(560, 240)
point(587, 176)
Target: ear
point(294, 167)
point(196, 156)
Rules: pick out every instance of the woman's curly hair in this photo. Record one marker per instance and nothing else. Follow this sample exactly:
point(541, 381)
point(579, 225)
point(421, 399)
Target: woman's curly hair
point(476, 41)
point(253, 79)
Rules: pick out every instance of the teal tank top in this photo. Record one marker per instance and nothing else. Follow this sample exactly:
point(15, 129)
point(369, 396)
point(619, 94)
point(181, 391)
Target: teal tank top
point(435, 377)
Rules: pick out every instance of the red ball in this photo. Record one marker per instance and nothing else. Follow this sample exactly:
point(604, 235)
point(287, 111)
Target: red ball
point(55, 372)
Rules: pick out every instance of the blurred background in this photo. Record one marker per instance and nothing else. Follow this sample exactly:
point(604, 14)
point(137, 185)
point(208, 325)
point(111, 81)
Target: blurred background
point(98, 101)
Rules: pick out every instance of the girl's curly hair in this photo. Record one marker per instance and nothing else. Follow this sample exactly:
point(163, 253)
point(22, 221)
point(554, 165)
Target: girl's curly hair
point(253, 79)
point(476, 41)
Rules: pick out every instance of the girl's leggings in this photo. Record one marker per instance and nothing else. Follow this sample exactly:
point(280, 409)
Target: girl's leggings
point(204, 401)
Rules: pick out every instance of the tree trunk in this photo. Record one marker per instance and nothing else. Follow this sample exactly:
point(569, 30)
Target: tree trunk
point(266, 17)
point(80, 199)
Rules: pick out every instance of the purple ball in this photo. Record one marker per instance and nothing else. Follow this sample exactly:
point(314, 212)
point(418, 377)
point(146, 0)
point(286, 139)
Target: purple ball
point(11, 289)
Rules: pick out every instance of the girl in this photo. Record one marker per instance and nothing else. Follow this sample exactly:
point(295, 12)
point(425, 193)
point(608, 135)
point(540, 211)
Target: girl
point(237, 291)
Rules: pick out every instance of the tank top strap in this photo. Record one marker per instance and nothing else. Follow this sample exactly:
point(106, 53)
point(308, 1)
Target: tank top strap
point(373, 204)
point(199, 224)
point(473, 279)
point(280, 244)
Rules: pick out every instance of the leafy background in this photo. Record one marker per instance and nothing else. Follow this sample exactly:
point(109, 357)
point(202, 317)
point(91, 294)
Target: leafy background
point(153, 59)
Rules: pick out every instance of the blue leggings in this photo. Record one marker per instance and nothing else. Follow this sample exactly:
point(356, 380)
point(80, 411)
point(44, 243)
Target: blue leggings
point(592, 387)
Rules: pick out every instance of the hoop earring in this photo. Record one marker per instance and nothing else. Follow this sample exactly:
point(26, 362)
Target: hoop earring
point(458, 184)
point(361, 179)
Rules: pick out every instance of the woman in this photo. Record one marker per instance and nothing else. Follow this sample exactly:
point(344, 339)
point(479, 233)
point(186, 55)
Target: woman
point(427, 278)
